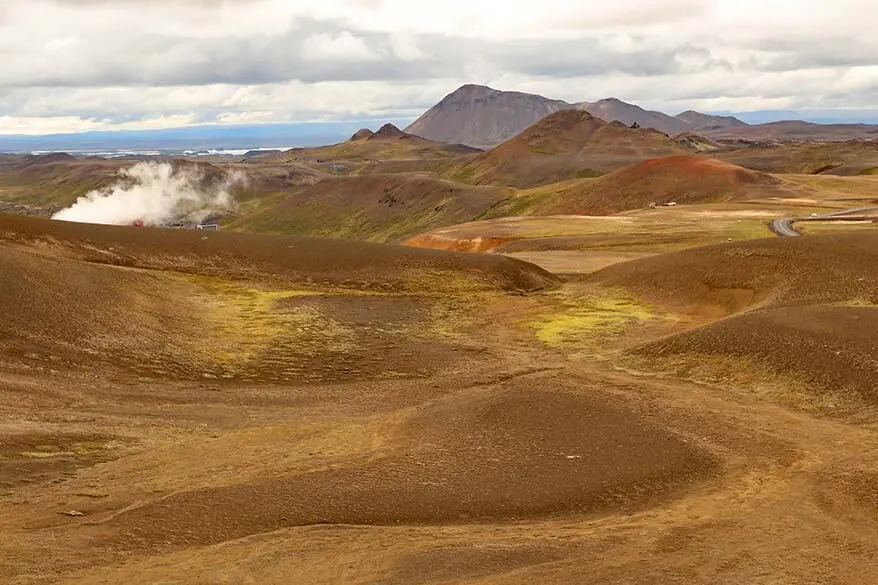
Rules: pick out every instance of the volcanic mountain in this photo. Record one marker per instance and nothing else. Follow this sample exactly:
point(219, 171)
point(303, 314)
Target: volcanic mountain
point(565, 145)
point(481, 116)
point(484, 117)
point(615, 110)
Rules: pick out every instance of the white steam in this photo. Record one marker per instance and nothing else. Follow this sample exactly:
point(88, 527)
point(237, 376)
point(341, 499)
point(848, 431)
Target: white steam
point(156, 194)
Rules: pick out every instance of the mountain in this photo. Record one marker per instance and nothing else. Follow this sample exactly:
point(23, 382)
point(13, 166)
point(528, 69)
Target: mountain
point(361, 134)
point(615, 110)
point(484, 117)
point(389, 132)
point(568, 144)
point(698, 121)
point(480, 116)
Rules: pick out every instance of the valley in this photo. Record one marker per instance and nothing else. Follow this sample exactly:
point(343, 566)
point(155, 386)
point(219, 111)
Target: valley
point(578, 355)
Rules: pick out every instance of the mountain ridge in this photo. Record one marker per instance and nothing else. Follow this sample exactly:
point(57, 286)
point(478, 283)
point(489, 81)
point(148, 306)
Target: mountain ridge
point(484, 117)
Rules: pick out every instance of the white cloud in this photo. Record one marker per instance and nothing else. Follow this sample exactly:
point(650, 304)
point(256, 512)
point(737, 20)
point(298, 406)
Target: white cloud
point(341, 47)
point(89, 64)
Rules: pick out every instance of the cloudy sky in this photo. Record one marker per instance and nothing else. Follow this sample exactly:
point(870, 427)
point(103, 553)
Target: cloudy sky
point(70, 65)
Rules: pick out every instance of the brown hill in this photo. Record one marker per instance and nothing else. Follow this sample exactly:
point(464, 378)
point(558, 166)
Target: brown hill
point(523, 430)
point(739, 275)
point(698, 121)
point(797, 130)
point(565, 145)
point(482, 117)
point(849, 157)
point(187, 304)
point(389, 145)
point(803, 315)
point(288, 259)
point(678, 179)
point(697, 142)
point(371, 207)
point(827, 349)
point(615, 110)
point(362, 134)
point(389, 132)
point(54, 180)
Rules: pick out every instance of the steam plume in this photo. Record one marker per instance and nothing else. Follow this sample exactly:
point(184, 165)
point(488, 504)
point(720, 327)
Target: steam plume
point(155, 194)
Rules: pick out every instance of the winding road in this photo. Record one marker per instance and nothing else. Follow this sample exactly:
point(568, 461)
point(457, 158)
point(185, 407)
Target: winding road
point(785, 227)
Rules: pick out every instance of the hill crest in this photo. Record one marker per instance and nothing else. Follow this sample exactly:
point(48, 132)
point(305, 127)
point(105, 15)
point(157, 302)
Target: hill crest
point(566, 145)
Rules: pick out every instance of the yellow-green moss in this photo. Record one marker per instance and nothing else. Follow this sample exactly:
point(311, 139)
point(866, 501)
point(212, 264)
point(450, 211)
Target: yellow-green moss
point(590, 320)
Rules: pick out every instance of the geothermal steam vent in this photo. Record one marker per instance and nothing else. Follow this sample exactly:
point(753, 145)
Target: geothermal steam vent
point(157, 194)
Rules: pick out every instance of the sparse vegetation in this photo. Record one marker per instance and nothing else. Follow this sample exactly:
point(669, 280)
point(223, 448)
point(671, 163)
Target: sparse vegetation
point(419, 415)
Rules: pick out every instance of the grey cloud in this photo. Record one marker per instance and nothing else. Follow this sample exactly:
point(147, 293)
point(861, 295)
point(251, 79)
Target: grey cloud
point(135, 60)
point(794, 54)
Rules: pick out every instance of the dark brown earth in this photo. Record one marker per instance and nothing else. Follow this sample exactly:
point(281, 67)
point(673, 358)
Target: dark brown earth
point(741, 275)
point(847, 157)
point(287, 259)
point(829, 350)
point(208, 407)
point(247, 408)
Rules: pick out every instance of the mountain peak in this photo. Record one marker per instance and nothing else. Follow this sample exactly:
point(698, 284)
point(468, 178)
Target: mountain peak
point(615, 110)
point(362, 134)
point(388, 131)
point(480, 116)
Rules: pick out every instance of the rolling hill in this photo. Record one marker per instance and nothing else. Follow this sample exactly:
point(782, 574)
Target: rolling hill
point(679, 179)
point(565, 145)
point(371, 207)
point(799, 317)
point(744, 275)
point(702, 122)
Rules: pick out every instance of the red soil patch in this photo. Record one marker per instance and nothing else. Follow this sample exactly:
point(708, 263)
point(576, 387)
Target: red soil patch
point(440, 242)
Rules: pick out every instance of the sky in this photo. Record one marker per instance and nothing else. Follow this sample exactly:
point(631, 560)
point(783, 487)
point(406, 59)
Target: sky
point(77, 65)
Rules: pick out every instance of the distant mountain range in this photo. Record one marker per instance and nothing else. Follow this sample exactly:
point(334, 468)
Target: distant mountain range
point(483, 117)
point(473, 115)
